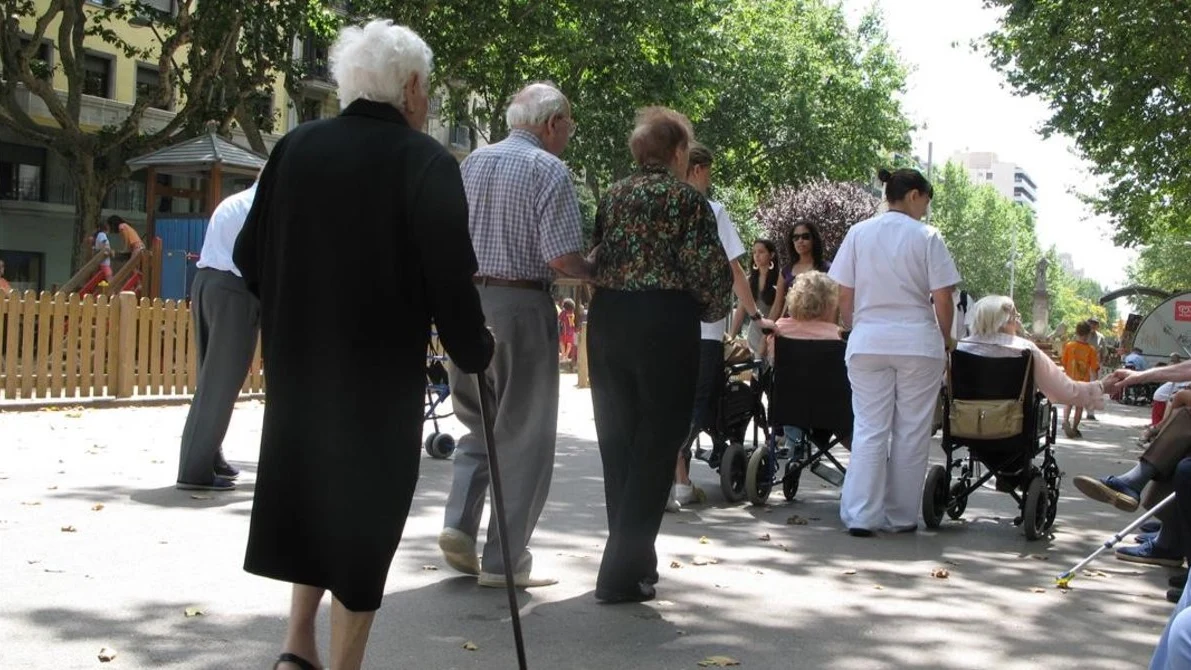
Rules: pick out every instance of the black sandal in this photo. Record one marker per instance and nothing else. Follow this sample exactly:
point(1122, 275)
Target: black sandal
point(287, 657)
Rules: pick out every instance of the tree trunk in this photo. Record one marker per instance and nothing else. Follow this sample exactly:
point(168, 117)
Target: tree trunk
point(90, 189)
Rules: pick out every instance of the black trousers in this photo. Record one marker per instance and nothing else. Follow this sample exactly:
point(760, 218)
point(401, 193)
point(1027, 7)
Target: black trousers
point(643, 357)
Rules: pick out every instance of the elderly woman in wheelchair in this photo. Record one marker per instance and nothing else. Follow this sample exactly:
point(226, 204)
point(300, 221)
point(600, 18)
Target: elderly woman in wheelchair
point(811, 397)
point(1001, 389)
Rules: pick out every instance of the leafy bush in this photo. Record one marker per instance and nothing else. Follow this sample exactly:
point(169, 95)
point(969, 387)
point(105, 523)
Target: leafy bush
point(832, 206)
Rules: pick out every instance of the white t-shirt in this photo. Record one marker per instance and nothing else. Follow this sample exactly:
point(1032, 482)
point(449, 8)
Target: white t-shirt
point(222, 230)
point(894, 262)
point(734, 249)
point(101, 243)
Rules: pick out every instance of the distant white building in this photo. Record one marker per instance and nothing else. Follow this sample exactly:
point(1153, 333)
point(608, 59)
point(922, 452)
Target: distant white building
point(1008, 178)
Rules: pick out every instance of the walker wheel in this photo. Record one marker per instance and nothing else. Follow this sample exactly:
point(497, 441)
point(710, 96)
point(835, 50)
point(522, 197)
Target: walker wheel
point(440, 445)
point(1035, 511)
point(758, 479)
point(961, 503)
point(790, 481)
point(733, 467)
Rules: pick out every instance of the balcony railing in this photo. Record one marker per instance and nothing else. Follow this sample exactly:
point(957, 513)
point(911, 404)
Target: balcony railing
point(316, 69)
point(126, 195)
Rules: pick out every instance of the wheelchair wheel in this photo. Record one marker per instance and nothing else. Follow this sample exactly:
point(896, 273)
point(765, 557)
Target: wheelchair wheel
point(733, 467)
point(440, 445)
point(758, 478)
point(1035, 511)
point(961, 504)
point(790, 481)
point(934, 496)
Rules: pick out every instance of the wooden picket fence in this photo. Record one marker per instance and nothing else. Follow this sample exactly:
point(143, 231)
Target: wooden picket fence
point(66, 346)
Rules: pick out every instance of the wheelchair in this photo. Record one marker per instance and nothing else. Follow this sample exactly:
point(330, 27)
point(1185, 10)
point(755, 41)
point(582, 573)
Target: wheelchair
point(809, 389)
point(1011, 460)
point(740, 404)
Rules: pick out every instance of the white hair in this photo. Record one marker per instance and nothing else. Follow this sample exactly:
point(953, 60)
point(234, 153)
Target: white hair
point(990, 314)
point(376, 61)
point(534, 105)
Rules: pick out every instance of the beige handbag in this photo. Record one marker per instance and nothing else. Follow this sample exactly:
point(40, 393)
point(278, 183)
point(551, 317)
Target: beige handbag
point(988, 419)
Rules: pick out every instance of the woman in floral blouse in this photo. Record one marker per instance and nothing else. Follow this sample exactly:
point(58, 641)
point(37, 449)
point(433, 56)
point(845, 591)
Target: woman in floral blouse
point(660, 270)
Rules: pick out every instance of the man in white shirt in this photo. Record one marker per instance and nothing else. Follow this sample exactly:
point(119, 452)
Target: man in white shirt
point(1135, 360)
point(711, 351)
point(226, 318)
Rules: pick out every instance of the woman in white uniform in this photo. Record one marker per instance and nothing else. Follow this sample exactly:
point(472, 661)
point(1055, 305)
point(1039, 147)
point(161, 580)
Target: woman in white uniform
point(896, 282)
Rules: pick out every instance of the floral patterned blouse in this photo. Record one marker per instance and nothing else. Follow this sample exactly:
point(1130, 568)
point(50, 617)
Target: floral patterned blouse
point(656, 232)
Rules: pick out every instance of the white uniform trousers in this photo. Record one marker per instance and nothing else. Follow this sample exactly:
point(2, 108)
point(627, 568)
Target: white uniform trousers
point(893, 400)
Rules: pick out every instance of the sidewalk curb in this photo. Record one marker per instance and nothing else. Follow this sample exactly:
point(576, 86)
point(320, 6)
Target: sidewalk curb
point(54, 404)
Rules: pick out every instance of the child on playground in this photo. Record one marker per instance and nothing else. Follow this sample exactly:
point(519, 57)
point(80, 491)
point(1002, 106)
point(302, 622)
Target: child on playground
point(566, 332)
point(1081, 362)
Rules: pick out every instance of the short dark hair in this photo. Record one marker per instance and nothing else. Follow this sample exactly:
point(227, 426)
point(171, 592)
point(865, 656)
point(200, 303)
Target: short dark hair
point(899, 183)
point(700, 155)
point(660, 131)
point(1083, 328)
point(115, 220)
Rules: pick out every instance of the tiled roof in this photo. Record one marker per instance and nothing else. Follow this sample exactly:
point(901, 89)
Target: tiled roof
point(202, 151)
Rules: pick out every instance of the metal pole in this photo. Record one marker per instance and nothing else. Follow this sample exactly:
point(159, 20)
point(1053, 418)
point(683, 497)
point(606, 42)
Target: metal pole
point(1064, 579)
point(930, 165)
point(488, 418)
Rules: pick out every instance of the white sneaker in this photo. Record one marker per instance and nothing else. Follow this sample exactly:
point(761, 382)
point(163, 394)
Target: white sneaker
point(672, 504)
point(459, 551)
point(685, 494)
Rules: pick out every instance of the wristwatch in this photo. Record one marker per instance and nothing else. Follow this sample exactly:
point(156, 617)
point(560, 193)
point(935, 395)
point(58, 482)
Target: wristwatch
point(757, 316)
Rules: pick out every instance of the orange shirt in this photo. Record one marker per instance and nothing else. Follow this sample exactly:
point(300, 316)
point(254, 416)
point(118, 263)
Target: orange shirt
point(131, 239)
point(1080, 361)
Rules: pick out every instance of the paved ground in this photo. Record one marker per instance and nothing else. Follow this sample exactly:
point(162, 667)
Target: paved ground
point(810, 596)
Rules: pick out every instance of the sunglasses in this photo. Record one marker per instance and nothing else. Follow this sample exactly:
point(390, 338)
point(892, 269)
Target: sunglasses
point(806, 237)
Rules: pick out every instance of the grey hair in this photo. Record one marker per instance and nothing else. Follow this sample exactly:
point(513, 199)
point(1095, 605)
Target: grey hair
point(374, 62)
point(990, 314)
point(534, 105)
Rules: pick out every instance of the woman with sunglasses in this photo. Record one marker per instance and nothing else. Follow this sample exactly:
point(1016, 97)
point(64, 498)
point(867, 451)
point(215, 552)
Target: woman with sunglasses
point(804, 248)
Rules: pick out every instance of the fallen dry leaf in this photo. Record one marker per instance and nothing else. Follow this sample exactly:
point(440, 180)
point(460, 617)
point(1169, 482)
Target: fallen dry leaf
point(429, 567)
point(193, 612)
point(764, 538)
point(704, 540)
point(470, 646)
point(718, 662)
point(940, 573)
point(68, 529)
point(955, 563)
point(1038, 589)
point(1039, 557)
point(97, 507)
point(675, 565)
point(51, 488)
point(1095, 573)
point(849, 572)
point(75, 415)
point(107, 655)
point(796, 521)
point(878, 587)
point(31, 503)
point(197, 496)
point(701, 560)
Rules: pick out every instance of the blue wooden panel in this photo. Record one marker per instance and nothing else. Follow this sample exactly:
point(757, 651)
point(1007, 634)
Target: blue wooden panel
point(175, 284)
point(184, 233)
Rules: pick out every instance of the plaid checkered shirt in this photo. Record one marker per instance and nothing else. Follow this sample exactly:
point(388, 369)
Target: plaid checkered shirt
point(523, 212)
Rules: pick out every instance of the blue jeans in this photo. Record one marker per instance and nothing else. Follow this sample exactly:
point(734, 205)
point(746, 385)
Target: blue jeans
point(794, 441)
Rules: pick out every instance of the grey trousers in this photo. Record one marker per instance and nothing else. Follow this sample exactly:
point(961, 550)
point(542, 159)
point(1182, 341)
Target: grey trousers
point(226, 320)
point(524, 372)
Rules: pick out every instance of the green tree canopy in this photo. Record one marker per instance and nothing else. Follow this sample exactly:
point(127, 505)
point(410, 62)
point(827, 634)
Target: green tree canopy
point(1115, 75)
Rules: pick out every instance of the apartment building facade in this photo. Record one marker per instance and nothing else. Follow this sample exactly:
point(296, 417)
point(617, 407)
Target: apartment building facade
point(1010, 179)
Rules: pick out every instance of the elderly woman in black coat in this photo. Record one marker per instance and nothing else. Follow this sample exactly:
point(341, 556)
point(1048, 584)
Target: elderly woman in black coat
point(343, 413)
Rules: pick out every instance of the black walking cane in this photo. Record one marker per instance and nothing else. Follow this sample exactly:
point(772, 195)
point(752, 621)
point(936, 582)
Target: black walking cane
point(488, 417)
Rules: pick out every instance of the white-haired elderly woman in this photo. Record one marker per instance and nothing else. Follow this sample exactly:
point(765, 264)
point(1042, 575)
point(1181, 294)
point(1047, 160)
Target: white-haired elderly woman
point(343, 416)
point(995, 327)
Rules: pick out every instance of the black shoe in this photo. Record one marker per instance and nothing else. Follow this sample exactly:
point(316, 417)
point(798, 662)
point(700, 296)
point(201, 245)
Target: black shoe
point(642, 593)
point(1177, 581)
point(653, 577)
point(216, 484)
point(1174, 595)
point(861, 532)
point(226, 470)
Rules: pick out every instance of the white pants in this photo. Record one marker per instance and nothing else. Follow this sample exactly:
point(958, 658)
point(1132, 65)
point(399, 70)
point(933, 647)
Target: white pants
point(893, 400)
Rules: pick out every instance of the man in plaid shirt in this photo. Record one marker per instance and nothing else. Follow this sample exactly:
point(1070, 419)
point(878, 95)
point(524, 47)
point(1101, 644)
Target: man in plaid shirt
point(525, 227)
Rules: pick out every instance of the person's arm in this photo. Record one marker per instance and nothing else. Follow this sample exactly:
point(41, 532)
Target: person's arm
point(740, 286)
point(443, 243)
point(738, 316)
point(944, 299)
point(1061, 389)
point(847, 303)
point(1179, 372)
point(701, 258)
point(779, 297)
point(560, 226)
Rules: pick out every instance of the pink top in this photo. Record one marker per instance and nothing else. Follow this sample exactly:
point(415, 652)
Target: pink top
point(802, 330)
point(1048, 376)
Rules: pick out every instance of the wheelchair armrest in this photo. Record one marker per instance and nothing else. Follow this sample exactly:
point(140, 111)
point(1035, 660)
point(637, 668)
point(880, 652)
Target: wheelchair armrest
point(737, 368)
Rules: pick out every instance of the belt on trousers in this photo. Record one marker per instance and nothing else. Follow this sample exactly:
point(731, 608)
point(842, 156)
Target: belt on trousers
point(531, 284)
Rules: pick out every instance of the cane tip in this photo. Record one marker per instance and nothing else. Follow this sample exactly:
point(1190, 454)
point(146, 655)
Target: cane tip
point(1063, 581)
